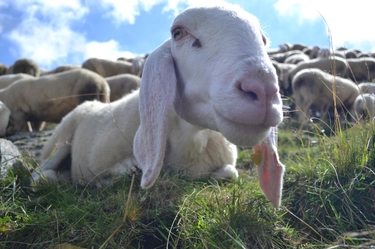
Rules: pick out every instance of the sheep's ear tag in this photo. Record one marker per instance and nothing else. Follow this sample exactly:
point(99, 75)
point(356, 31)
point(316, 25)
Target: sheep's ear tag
point(270, 171)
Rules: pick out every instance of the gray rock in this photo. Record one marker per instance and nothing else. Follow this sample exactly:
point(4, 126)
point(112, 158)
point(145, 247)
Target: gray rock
point(31, 143)
point(10, 158)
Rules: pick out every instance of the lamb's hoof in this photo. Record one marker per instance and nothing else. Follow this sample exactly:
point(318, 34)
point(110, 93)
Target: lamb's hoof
point(42, 178)
point(227, 172)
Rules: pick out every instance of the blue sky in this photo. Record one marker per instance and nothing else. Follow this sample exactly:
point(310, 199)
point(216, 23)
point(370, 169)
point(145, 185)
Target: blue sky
point(61, 32)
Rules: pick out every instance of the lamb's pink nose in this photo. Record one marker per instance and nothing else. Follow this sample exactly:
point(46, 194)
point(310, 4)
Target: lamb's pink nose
point(259, 92)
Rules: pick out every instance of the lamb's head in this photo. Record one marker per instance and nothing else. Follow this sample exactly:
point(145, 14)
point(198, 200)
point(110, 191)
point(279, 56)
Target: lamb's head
point(214, 72)
point(224, 74)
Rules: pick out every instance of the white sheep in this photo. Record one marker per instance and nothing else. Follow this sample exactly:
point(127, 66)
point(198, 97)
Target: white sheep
point(138, 64)
point(361, 69)
point(8, 79)
point(188, 112)
point(50, 98)
point(107, 68)
point(323, 53)
point(60, 69)
point(4, 118)
point(297, 58)
point(122, 84)
point(364, 106)
point(281, 57)
point(312, 52)
point(315, 87)
point(282, 70)
point(333, 65)
point(367, 87)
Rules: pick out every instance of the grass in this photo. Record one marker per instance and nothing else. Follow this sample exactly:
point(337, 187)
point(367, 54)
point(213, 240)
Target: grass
point(328, 202)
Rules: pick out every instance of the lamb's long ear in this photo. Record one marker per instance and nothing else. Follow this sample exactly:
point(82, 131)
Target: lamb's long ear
point(270, 169)
point(155, 102)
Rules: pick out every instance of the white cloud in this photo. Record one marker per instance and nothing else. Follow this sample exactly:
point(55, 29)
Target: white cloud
point(46, 33)
point(56, 12)
point(126, 11)
point(349, 21)
point(106, 50)
point(45, 44)
point(121, 11)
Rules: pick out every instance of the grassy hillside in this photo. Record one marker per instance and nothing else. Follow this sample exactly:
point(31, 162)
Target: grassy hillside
point(328, 202)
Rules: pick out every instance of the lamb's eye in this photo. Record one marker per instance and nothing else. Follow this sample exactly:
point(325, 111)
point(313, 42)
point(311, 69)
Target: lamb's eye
point(177, 33)
point(264, 40)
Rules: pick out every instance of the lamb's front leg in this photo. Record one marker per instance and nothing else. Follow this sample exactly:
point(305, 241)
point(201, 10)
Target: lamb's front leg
point(50, 167)
point(227, 172)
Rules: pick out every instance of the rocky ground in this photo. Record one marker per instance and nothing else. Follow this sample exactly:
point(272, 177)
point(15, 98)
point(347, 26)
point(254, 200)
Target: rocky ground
point(30, 143)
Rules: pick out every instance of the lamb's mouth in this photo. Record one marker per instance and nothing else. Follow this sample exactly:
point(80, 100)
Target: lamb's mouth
point(242, 134)
point(242, 125)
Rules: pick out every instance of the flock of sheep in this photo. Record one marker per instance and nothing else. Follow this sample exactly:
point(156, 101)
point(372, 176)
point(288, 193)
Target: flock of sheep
point(30, 96)
point(312, 77)
point(180, 107)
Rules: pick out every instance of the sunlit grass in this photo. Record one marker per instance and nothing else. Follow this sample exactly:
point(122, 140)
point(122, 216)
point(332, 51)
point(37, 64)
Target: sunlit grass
point(328, 201)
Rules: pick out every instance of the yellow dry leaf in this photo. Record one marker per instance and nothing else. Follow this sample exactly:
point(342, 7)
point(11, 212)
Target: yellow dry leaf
point(256, 157)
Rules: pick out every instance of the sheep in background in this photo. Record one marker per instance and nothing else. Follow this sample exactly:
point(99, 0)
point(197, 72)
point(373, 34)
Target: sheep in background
point(298, 46)
point(281, 49)
point(311, 52)
point(361, 55)
point(361, 69)
point(364, 106)
point(3, 69)
point(122, 84)
point(8, 79)
point(296, 58)
point(60, 69)
point(4, 118)
point(281, 57)
point(367, 87)
point(333, 65)
point(26, 66)
point(107, 68)
point(343, 52)
point(315, 87)
point(323, 53)
point(125, 59)
point(282, 70)
point(50, 98)
point(188, 112)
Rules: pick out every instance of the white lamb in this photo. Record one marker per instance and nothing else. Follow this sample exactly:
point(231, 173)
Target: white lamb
point(314, 87)
point(51, 97)
point(194, 102)
point(364, 106)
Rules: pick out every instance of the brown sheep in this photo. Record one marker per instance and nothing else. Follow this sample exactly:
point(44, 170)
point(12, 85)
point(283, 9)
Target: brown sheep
point(122, 84)
point(107, 68)
point(26, 66)
point(325, 64)
point(51, 97)
point(3, 69)
point(60, 69)
point(361, 69)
